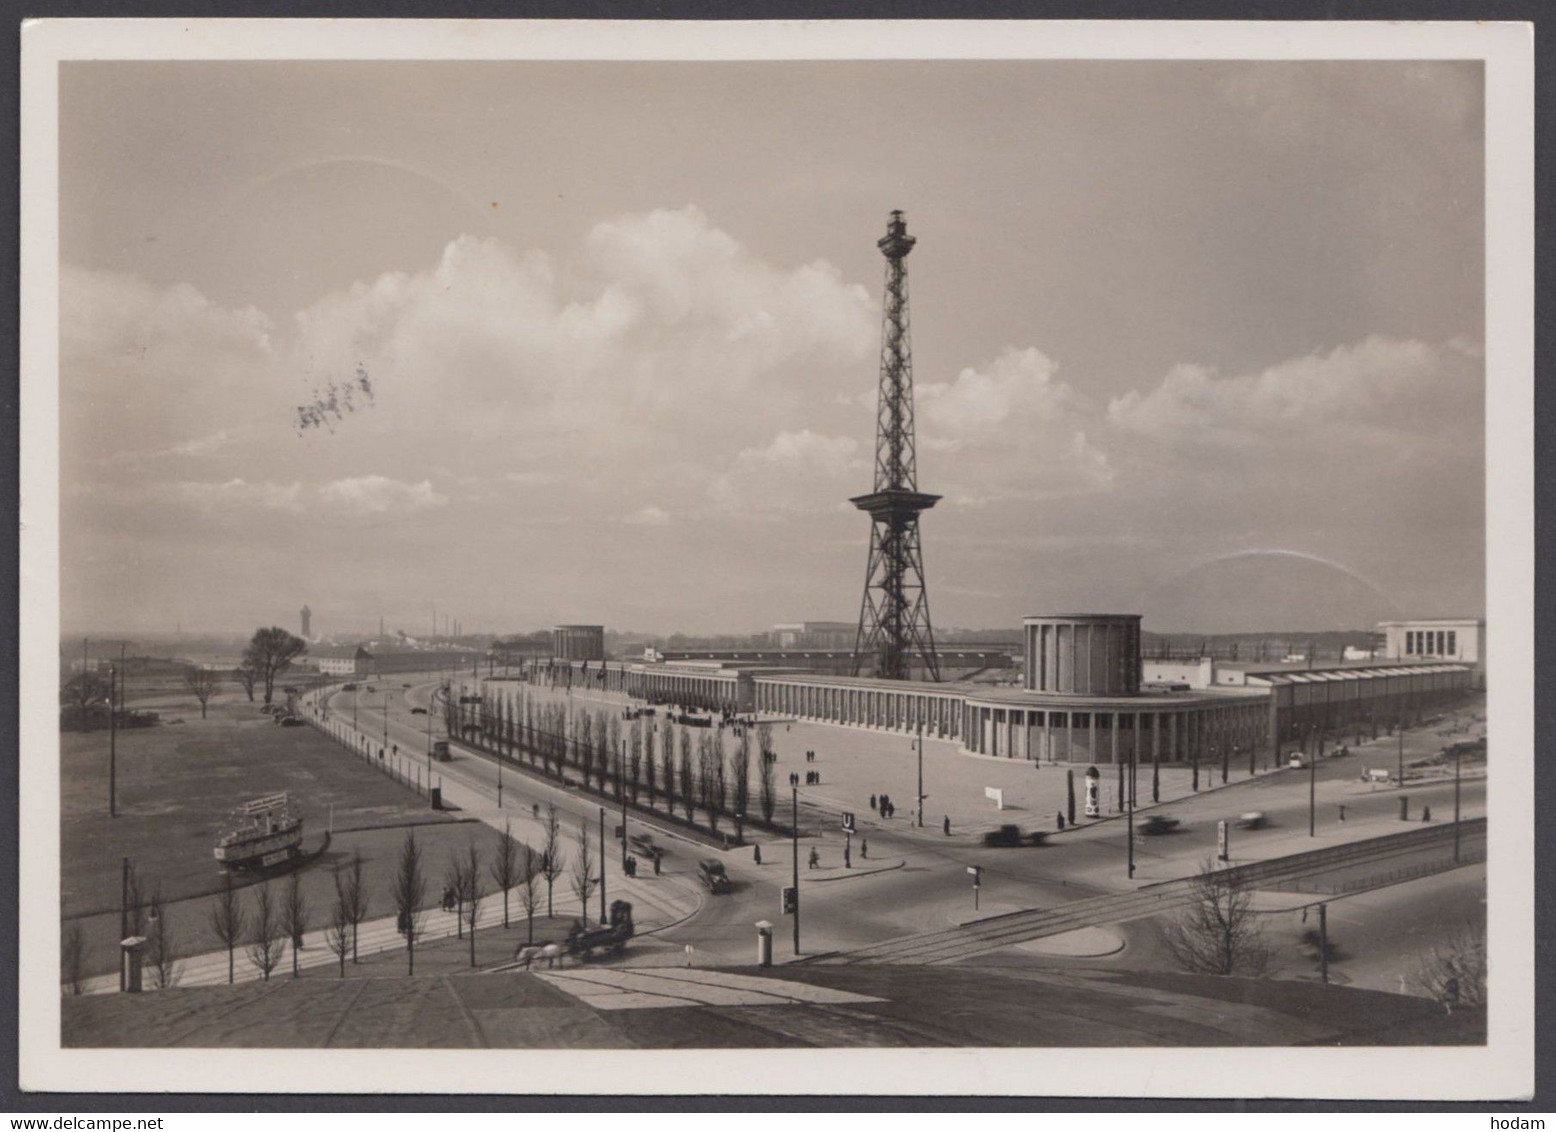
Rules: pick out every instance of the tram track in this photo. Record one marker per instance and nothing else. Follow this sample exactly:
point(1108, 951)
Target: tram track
point(982, 936)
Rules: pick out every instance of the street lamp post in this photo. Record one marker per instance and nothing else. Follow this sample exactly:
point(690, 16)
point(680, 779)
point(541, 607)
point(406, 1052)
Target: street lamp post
point(622, 794)
point(794, 841)
point(1401, 767)
point(113, 773)
point(1456, 757)
point(603, 918)
point(921, 776)
point(1312, 794)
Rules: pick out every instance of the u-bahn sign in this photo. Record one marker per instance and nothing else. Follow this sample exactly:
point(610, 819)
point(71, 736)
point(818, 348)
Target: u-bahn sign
point(848, 822)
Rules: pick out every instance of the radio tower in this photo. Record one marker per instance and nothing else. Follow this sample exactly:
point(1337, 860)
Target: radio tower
point(894, 615)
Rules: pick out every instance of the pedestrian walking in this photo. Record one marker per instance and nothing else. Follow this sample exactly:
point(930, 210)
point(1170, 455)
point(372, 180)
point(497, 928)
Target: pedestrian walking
point(872, 803)
point(756, 854)
point(1426, 813)
point(1059, 817)
point(864, 849)
point(947, 825)
point(815, 858)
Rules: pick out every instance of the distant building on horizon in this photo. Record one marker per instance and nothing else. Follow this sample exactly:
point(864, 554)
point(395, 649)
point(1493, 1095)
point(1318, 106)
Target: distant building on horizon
point(578, 642)
point(307, 616)
point(815, 635)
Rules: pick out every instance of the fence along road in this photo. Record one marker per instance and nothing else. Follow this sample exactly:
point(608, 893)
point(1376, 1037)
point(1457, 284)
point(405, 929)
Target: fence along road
point(983, 936)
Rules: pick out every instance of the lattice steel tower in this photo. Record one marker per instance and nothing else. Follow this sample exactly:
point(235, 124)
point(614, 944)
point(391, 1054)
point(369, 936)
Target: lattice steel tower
point(894, 615)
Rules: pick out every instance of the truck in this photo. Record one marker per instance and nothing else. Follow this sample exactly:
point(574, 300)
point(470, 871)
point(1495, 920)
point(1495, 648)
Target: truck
point(440, 751)
point(583, 940)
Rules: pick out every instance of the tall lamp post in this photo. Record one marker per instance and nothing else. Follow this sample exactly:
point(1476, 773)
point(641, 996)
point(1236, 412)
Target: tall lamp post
point(602, 867)
point(1456, 756)
point(794, 841)
point(921, 776)
point(1401, 769)
point(113, 712)
point(1312, 794)
point(622, 794)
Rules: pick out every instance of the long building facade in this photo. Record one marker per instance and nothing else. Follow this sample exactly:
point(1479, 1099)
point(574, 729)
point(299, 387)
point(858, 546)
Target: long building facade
point(1112, 721)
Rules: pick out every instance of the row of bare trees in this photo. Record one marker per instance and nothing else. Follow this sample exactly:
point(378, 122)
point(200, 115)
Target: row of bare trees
point(662, 767)
point(145, 915)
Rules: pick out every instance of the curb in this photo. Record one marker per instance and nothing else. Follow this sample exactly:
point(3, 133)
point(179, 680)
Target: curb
point(851, 874)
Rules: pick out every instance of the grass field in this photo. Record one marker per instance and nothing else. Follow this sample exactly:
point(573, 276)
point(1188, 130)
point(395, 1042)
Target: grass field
point(177, 787)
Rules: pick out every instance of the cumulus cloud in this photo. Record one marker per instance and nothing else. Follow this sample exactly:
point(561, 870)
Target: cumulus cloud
point(377, 494)
point(795, 471)
point(1368, 392)
point(1009, 430)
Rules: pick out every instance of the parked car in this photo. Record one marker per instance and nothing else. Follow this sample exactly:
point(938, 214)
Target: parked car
point(1158, 824)
point(1296, 762)
point(418, 711)
point(712, 874)
point(1009, 836)
point(291, 721)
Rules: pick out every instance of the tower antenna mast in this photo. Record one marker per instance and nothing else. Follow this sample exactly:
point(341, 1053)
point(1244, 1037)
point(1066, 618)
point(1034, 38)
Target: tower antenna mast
point(894, 613)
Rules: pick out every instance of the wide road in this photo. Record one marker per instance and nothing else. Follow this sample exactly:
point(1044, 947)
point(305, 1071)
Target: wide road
point(927, 885)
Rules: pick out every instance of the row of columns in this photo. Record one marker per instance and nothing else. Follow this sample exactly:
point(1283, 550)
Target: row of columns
point(908, 710)
point(1108, 736)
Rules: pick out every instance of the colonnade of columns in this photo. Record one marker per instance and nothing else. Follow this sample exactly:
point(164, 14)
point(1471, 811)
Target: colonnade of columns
point(939, 713)
point(1150, 733)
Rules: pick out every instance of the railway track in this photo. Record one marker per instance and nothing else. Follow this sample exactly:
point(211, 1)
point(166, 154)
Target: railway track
point(998, 932)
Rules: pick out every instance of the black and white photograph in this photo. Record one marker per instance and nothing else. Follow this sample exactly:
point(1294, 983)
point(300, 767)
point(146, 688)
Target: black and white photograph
point(848, 558)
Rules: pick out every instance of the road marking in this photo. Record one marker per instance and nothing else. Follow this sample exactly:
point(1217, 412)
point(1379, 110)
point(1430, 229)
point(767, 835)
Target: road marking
point(640, 989)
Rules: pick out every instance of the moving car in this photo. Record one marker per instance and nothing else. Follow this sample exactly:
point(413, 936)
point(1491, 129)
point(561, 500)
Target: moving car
point(1159, 823)
point(712, 874)
point(1253, 819)
point(418, 711)
point(1009, 836)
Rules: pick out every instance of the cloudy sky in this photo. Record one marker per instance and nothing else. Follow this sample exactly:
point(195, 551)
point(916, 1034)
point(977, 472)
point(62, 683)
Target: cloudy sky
point(1198, 341)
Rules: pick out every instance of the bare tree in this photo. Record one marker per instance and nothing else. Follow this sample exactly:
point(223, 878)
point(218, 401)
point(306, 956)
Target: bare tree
point(1218, 933)
point(1454, 972)
point(134, 898)
point(72, 947)
point(766, 773)
point(265, 948)
point(634, 757)
point(688, 778)
point(339, 933)
point(650, 778)
point(294, 915)
point(613, 746)
point(586, 746)
point(740, 780)
point(706, 775)
point(161, 944)
point(202, 684)
point(551, 856)
point(505, 866)
point(410, 889)
point(454, 888)
point(351, 891)
point(667, 762)
point(227, 919)
point(247, 679)
point(269, 653)
point(473, 893)
point(583, 878)
point(529, 889)
point(82, 693)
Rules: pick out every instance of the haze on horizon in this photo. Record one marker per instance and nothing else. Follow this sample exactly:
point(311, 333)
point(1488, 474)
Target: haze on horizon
point(1198, 341)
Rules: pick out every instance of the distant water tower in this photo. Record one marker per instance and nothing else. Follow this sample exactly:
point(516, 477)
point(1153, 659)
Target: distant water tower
point(307, 619)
